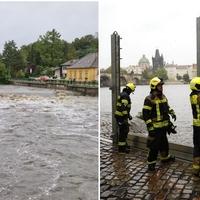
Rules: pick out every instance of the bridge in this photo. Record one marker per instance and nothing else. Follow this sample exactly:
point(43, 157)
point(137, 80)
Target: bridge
point(105, 79)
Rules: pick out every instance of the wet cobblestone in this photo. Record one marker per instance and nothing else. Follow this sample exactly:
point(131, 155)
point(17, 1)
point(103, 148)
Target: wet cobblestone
point(125, 176)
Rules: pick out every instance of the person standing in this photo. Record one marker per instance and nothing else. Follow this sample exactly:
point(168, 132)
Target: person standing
point(122, 115)
point(195, 104)
point(156, 114)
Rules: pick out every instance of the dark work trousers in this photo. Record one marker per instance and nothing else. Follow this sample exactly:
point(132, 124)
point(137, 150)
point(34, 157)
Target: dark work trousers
point(123, 133)
point(196, 141)
point(158, 144)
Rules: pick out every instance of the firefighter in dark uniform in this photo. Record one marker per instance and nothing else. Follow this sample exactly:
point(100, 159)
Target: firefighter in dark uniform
point(122, 114)
point(156, 114)
point(195, 103)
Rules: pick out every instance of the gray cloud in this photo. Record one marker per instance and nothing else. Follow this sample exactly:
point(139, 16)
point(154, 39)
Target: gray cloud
point(24, 22)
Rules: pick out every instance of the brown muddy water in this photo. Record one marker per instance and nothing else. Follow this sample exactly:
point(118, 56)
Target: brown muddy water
point(48, 145)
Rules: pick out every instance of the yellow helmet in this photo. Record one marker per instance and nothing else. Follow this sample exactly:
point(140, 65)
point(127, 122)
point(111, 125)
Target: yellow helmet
point(131, 86)
point(195, 84)
point(155, 81)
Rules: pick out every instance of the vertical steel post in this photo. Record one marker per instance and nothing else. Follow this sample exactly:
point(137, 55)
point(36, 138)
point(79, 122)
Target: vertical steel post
point(198, 45)
point(115, 77)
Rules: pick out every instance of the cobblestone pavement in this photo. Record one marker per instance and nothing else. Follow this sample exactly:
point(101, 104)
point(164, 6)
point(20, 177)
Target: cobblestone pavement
point(125, 176)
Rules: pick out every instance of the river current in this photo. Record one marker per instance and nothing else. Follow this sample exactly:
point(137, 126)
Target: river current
point(178, 97)
point(48, 145)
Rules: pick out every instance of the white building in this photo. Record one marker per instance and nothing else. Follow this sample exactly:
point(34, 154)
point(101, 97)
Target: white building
point(143, 64)
point(174, 70)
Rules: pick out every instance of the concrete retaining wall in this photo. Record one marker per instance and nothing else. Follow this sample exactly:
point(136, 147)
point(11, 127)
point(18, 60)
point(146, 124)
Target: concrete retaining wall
point(81, 88)
point(180, 151)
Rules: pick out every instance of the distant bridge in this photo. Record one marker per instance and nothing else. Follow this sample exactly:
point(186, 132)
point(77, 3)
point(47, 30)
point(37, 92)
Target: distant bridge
point(124, 78)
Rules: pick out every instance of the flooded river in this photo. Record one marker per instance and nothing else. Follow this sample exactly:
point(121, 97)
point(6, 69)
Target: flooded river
point(48, 145)
point(178, 97)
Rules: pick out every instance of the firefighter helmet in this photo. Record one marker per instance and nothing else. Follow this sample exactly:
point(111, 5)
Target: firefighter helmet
point(131, 86)
point(195, 84)
point(155, 81)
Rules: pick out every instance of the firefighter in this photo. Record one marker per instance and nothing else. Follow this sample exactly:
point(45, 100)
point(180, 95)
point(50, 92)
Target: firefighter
point(156, 114)
point(122, 115)
point(195, 103)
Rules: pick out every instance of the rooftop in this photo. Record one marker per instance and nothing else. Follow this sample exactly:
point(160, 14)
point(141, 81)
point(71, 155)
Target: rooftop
point(90, 60)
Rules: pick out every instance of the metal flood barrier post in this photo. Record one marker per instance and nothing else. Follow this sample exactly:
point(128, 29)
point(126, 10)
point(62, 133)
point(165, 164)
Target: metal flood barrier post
point(115, 80)
point(198, 45)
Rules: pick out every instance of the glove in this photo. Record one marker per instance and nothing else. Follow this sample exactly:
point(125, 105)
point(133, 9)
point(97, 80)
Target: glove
point(130, 117)
point(171, 128)
point(173, 116)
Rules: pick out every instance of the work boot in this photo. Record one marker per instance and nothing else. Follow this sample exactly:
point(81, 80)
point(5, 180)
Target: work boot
point(171, 158)
point(151, 167)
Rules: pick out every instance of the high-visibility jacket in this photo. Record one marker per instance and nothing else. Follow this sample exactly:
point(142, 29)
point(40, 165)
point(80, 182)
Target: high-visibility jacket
point(156, 111)
point(123, 106)
point(195, 103)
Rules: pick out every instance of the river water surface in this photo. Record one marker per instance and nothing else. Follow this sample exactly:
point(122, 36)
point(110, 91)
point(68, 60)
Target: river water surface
point(48, 145)
point(178, 97)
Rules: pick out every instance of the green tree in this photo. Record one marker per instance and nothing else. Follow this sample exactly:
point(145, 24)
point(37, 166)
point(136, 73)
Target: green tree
point(20, 74)
point(147, 74)
point(85, 45)
point(33, 54)
point(178, 77)
point(162, 73)
point(3, 73)
point(12, 58)
point(50, 47)
point(186, 77)
point(71, 54)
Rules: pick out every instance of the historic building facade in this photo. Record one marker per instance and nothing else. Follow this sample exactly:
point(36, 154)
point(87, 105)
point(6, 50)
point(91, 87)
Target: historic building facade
point(179, 70)
point(143, 64)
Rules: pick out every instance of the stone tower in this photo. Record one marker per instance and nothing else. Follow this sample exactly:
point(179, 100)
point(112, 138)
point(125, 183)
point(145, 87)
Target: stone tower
point(157, 61)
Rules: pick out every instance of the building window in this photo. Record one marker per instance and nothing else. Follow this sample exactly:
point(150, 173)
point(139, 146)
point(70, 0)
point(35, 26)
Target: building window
point(86, 75)
point(80, 75)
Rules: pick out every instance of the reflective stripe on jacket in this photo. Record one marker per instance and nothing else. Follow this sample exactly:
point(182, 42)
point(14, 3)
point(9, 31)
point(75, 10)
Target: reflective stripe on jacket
point(123, 105)
point(195, 103)
point(156, 112)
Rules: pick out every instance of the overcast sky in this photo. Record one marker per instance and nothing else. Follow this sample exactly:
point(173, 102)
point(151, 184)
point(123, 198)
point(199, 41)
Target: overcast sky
point(147, 25)
point(24, 22)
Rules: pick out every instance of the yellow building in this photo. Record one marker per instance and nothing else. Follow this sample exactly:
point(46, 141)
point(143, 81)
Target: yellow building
point(85, 69)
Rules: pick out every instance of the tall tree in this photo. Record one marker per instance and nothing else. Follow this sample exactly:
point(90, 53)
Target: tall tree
point(50, 47)
point(12, 58)
point(85, 45)
point(3, 73)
